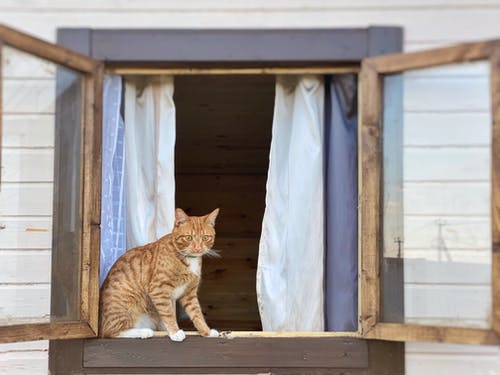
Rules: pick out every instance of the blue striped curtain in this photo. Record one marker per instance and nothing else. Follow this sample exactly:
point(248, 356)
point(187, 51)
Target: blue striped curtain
point(113, 182)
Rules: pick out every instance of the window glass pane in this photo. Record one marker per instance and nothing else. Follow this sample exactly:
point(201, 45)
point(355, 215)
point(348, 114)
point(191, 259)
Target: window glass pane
point(39, 189)
point(436, 263)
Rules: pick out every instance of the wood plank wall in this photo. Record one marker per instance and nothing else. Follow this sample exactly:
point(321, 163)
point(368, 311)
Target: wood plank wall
point(222, 152)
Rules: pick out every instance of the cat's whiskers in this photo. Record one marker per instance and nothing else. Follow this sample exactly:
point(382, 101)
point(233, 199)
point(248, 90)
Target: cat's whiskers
point(210, 252)
point(213, 253)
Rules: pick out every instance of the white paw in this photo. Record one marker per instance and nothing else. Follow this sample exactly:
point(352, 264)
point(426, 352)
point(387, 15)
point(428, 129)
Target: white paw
point(146, 333)
point(178, 336)
point(214, 333)
point(138, 333)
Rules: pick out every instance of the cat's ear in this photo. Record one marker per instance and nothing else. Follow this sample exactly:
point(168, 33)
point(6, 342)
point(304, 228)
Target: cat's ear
point(212, 216)
point(180, 217)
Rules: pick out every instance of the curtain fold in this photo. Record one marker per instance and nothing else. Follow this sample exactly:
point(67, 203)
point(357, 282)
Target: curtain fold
point(113, 183)
point(341, 266)
point(149, 154)
point(291, 251)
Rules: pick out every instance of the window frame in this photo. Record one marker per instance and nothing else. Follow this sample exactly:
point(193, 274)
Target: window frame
point(255, 51)
point(92, 72)
point(246, 51)
point(371, 236)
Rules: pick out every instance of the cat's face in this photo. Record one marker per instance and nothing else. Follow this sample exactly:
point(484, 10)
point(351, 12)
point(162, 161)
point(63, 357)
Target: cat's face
point(194, 235)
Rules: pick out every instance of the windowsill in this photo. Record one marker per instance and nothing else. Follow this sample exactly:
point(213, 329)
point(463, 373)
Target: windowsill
point(232, 352)
point(270, 334)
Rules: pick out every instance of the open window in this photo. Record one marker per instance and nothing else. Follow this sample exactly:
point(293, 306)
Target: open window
point(32, 210)
point(430, 217)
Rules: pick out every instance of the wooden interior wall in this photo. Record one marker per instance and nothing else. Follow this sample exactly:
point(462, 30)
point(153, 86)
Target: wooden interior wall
point(222, 154)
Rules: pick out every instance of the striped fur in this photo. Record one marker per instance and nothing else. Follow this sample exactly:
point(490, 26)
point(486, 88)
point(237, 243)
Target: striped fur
point(150, 278)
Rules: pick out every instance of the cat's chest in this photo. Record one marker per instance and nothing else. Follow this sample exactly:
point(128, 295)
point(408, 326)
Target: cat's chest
point(194, 265)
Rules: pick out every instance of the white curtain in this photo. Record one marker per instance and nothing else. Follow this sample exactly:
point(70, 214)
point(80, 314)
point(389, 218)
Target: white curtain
point(149, 158)
point(291, 251)
point(113, 183)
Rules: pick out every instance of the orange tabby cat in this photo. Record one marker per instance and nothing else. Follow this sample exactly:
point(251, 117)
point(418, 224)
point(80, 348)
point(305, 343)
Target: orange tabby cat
point(141, 289)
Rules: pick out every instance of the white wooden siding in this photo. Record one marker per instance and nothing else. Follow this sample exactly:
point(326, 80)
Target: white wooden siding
point(439, 359)
point(427, 23)
point(24, 358)
point(25, 301)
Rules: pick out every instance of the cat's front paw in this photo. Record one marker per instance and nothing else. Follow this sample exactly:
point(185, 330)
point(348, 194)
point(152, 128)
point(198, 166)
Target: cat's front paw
point(213, 333)
point(178, 336)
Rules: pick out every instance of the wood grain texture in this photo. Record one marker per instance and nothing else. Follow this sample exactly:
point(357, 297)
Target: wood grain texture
point(413, 332)
point(45, 331)
point(397, 63)
point(228, 120)
point(347, 68)
point(222, 152)
point(66, 357)
point(92, 164)
point(495, 185)
point(48, 51)
point(386, 358)
point(229, 370)
point(369, 187)
point(263, 352)
point(241, 208)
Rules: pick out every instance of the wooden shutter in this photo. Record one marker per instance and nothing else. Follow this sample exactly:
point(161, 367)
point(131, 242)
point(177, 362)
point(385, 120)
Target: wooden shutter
point(421, 280)
point(31, 94)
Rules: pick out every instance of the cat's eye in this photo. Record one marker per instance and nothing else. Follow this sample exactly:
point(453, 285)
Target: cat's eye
point(206, 238)
point(188, 238)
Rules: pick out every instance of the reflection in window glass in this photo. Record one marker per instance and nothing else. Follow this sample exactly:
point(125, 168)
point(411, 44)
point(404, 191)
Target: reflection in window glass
point(34, 90)
point(436, 265)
